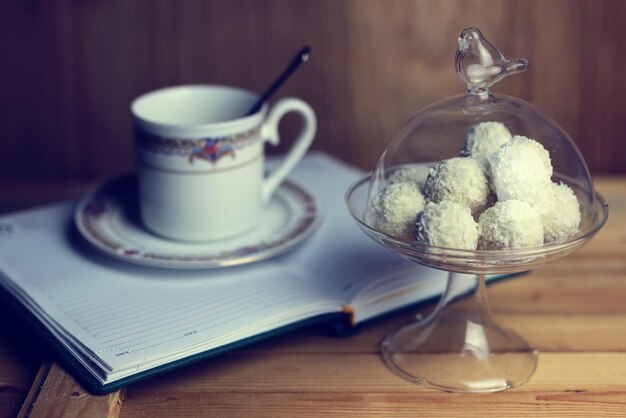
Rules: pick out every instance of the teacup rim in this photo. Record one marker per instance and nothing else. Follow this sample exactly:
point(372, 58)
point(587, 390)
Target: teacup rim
point(193, 130)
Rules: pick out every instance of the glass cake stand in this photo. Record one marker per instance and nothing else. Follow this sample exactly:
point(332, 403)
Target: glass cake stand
point(459, 347)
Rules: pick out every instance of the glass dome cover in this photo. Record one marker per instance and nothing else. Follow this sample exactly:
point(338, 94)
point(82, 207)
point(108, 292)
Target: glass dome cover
point(441, 131)
point(492, 156)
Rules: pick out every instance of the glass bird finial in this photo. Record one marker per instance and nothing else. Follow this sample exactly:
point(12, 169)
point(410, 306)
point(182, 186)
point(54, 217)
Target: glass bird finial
point(479, 64)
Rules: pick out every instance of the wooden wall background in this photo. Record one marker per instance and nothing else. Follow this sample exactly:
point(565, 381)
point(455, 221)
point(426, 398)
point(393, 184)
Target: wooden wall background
point(69, 69)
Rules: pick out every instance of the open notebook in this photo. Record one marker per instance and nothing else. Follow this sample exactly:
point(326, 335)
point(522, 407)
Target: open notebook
point(115, 323)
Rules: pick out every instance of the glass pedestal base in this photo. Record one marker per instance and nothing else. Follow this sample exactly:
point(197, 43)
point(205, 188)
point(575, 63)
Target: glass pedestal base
point(459, 347)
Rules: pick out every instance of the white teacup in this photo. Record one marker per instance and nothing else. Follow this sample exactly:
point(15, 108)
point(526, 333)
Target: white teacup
point(201, 161)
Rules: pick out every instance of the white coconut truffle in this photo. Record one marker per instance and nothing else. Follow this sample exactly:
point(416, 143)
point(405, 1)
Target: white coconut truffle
point(483, 139)
point(446, 224)
point(520, 169)
point(461, 180)
point(560, 213)
point(396, 208)
point(508, 225)
point(410, 174)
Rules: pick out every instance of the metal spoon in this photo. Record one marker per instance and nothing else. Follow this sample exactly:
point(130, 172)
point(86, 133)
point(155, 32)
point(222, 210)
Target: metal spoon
point(301, 57)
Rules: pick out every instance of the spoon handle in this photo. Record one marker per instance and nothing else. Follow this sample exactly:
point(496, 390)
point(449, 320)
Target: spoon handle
point(300, 57)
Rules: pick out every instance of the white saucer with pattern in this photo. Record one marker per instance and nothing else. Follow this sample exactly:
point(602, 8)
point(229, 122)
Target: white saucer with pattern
point(109, 219)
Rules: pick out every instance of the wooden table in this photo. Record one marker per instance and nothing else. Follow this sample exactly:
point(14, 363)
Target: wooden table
point(572, 310)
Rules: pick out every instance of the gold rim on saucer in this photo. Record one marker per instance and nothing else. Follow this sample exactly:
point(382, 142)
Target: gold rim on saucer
point(109, 219)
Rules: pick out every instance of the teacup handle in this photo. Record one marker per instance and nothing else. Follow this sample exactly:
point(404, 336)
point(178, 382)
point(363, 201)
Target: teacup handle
point(269, 133)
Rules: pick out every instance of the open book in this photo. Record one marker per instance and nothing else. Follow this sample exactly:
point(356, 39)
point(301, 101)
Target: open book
point(115, 323)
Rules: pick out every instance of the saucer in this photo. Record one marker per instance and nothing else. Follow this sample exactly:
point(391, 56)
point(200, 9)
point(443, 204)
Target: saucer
point(109, 220)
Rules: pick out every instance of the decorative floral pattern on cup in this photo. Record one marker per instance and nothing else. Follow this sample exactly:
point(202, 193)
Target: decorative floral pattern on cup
point(208, 149)
point(211, 150)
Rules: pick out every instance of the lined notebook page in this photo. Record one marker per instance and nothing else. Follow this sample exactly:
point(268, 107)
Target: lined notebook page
point(129, 316)
point(125, 318)
point(118, 318)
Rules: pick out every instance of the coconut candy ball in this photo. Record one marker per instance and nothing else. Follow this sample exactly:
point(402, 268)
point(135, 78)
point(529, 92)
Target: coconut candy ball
point(446, 224)
point(560, 213)
point(461, 180)
point(508, 225)
point(410, 174)
point(520, 169)
point(483, 139)
point(396, 208)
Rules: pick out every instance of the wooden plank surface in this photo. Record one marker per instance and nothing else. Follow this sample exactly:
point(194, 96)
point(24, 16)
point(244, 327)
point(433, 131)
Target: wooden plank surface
point(66, 93)
point(54, 393)
point(572, 310)
point(386, 404)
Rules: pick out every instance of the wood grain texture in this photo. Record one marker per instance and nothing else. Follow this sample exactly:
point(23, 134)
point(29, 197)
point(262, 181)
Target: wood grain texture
point(56, 394)
point(329, 372)
point(572, 310)
point(72, 69)
point(21, 354)
point(567, 403)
